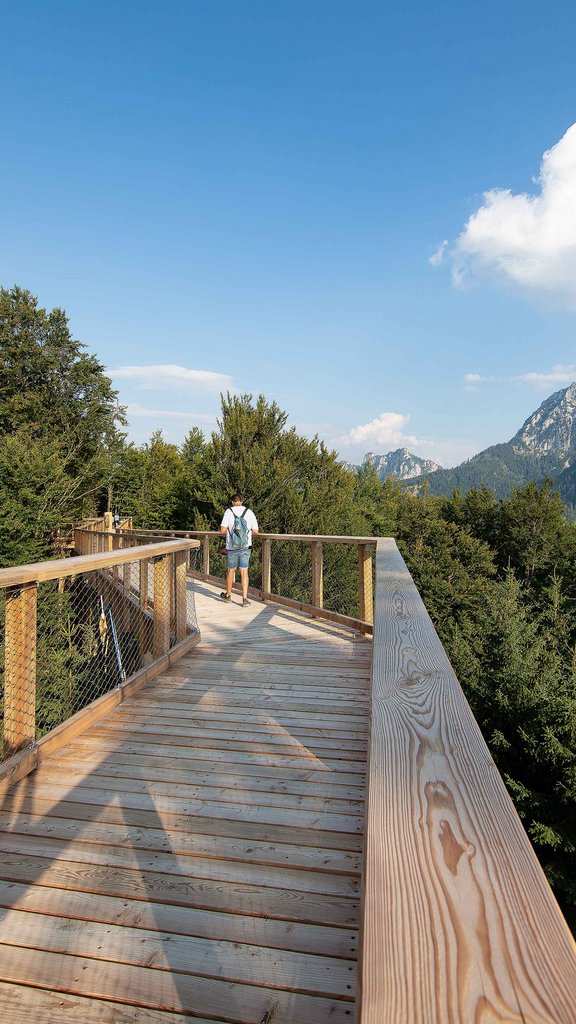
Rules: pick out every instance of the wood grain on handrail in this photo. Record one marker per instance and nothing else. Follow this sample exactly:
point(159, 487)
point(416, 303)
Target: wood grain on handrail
point(41, 571)
point(459, 923)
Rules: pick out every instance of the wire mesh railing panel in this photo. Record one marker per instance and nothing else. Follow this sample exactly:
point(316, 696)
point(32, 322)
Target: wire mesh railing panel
point(291, 570)
point(191, 567)
point(92, 636)
point(340, 579)
point(66, 642)
point(217, 558)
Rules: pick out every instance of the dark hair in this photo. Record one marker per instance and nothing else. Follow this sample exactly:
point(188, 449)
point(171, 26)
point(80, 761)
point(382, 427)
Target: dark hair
point(236, 497)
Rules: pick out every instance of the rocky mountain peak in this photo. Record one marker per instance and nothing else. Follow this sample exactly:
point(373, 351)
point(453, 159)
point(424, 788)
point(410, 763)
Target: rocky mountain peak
point(553, 426)
point(402, 463)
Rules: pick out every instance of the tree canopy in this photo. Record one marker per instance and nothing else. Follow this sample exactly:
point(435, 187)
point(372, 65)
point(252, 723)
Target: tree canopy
point(59, 417)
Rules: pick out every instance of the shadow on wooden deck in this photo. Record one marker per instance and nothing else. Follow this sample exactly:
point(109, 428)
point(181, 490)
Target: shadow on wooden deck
point(196, 854)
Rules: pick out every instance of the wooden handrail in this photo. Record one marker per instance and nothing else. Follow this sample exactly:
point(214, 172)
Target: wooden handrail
point(39, 572)
point(308, 537)
point(458, 921)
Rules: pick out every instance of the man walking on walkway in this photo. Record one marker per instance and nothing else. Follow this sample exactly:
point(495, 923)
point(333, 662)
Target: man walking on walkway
point(238, 525)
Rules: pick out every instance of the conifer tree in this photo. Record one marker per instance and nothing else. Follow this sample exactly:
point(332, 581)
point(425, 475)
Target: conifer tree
point(58, 418)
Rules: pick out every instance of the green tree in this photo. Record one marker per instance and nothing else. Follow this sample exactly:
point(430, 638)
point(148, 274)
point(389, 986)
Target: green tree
point(533, 531)
point(151, 483)
point(58, 418)
point(296, 485)
point(522, 689)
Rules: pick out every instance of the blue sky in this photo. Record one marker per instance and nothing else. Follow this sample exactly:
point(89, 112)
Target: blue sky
point(248, 195)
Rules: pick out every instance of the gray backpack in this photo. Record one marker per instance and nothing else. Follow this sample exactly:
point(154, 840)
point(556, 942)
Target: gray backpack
point(240, 532)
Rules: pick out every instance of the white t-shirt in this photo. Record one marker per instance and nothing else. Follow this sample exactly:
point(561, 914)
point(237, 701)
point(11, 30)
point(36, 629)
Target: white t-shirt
point(228, 522)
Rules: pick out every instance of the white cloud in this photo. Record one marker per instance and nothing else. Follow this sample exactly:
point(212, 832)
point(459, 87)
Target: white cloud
point(528, 240)
point(168, 376)
point(559, 374)
point(472, 380)
point(133, 410)
point(438, 257)
point(385, 429)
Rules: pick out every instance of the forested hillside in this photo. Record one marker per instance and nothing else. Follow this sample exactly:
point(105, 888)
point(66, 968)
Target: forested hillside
point(545, 446)
point(497, 576)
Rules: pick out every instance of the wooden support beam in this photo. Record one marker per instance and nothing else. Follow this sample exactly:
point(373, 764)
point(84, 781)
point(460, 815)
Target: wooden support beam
point(206, 555)
point(366, 611)
point(144, 584)
point(317, 575)
point(266, 567)
point(20, 668)
point(180, 617)
point(127, 577)
point(162, 604)
point(116, 545)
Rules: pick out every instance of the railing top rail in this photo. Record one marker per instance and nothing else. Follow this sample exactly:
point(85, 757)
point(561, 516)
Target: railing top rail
point(450, 876)
point(39, 572)
point(308, 537)
point(132, 534)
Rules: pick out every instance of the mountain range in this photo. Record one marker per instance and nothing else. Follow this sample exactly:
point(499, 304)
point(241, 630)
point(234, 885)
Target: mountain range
point(545, 446)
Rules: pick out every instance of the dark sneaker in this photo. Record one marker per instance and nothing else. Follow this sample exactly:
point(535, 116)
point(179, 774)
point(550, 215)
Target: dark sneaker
point(224, 596)
point(245, 602)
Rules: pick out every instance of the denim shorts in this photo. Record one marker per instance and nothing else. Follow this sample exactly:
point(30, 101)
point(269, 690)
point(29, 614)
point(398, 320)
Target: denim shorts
point(239, 558)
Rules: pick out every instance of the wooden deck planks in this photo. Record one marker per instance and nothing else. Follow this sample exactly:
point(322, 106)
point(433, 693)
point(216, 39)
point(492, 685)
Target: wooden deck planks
point(196, 855)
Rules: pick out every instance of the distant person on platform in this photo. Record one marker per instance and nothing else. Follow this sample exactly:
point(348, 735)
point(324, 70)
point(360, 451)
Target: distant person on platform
point(238, 525)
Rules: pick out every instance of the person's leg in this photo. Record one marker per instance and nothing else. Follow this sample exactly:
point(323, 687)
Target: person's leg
point(230, 581)
point(232, 565)
point(243, 562)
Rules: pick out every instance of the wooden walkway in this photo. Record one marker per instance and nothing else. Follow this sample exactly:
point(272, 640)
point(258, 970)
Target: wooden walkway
point(196, 855)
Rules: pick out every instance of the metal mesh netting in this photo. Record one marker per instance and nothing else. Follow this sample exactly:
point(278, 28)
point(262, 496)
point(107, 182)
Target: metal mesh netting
point(341, 579)
point(291, 570)
point(93, 630)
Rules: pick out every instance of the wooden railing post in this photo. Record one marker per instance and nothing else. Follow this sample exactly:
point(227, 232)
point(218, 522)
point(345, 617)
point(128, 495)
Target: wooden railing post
point(127, 578)
point(180, 617)
point(206, 555)
point(143, 588)
point(162, 604)
point(317, 574)
point(20, 668)
point(366, 609)
point(266, 567)
point(116, 545)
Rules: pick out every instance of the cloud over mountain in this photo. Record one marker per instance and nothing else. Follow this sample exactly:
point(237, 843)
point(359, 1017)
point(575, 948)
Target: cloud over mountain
point(385, 429)
point(559, 374)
